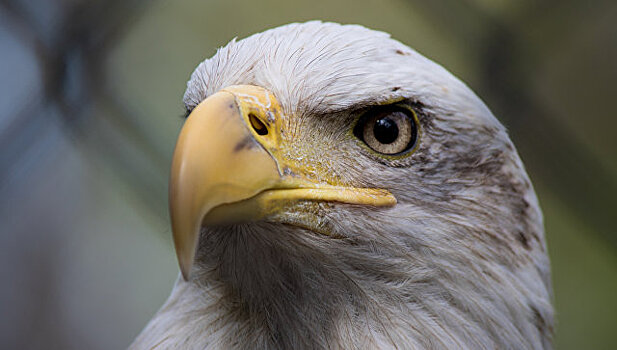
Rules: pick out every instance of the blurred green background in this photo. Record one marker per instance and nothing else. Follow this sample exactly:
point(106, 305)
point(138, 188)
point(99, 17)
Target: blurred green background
point(90, 106)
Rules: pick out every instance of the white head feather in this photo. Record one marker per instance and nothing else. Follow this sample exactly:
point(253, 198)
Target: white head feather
point(459, 262)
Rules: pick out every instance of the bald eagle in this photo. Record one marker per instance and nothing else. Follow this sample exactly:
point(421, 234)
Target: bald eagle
point(332, 188)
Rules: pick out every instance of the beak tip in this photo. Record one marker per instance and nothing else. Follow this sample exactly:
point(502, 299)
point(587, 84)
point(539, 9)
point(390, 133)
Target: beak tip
point(185, 269)
point(186, 275)
point(185, 244)
point(185, 237)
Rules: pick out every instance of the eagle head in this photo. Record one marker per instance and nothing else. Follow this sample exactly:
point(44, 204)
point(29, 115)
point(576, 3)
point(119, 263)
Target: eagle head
point(333, 188)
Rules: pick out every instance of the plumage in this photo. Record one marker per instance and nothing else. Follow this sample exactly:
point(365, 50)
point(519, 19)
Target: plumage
point(459, 262)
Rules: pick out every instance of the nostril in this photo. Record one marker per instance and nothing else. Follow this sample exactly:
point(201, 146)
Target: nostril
point(258, 125)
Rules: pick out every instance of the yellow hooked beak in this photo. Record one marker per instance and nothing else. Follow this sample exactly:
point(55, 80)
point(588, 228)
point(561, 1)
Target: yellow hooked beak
point(227, 168)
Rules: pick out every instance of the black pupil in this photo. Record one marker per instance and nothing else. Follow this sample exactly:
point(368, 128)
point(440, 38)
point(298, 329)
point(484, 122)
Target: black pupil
point(385, 130)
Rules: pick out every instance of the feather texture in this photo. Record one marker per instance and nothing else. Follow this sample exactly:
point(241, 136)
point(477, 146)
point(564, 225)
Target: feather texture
point(459, 263)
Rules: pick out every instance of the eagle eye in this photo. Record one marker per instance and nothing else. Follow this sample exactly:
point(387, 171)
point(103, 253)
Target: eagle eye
point(389, 130)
